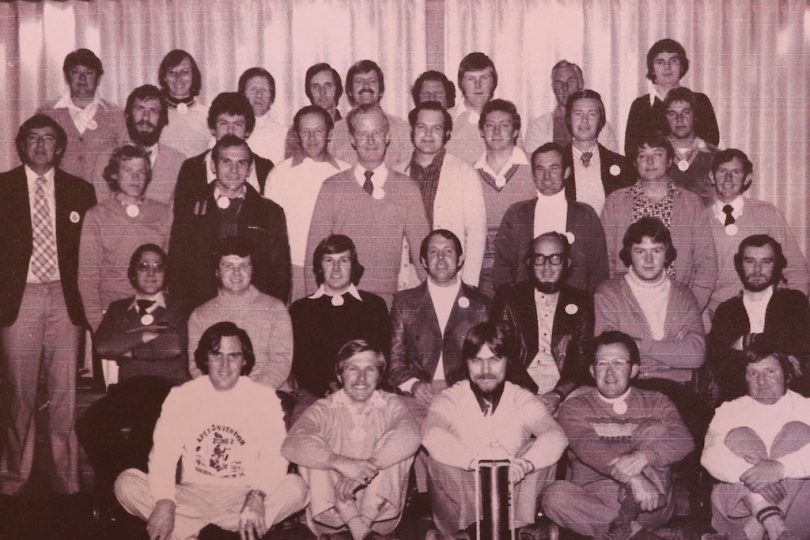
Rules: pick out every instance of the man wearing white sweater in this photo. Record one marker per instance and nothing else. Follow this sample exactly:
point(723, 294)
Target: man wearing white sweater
point(227, 430)
point(758, 446)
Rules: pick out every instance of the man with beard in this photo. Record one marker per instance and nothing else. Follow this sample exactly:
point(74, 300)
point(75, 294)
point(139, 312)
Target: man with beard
point(552, 321)
point(549, 211)
point(761, 311)
point(146, 115)
point(482, 418)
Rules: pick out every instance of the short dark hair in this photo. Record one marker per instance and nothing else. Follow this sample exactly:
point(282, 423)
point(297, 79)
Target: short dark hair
point(233, 245)
point(125, 153)
point(433, 75)
point(477, 61)
point(364, 109)
point(227, 141)
point(683, 94)
point(82, 57)
point(500, 105)
point(143, 93)
point(36, 122)
point(317, 68)
point(780, 262)
point(444, 233)
point(212, 338)
point(132, 269)
point(647, 227)
point(363, 66)
point(313, 109)
point(232, 103)
point(257, 72)
point(662, 46)
point(550, 146)
point(173, 58)
point(566, 64)
point(726, 155)
point(496, 336)
point(585, 93)
point(357, 346)
point(431, 106)
point(652, 140)
point(336, 243)
point(611, 337)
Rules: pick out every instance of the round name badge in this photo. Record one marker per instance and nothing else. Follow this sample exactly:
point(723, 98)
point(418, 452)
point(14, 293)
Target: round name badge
point(223, 202)
point(338, 300)
point(378, 193)
point(683, 165)
point(147, 319)
point(620, 407)
point(133, 210)
point(731, 229)
point(463, 302)
point(615, 170)
point(571, 309)
point(74, 217)
point(570, 236)
point(182, 108)
point(92, 125)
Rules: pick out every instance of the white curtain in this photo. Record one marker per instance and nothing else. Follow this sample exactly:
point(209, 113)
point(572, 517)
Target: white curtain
point(751, 57)
point(224, 36)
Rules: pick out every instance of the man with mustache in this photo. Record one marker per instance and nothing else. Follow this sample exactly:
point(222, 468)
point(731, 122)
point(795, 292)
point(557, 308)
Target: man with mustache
point(146, 115)
point(486, 417)
point(762, 310)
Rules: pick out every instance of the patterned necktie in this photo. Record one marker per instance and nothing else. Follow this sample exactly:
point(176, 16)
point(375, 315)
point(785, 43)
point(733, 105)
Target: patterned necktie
point(144, 305)
point(368, 187)
point(728, 210)
point(43, 255)
point(586, 158)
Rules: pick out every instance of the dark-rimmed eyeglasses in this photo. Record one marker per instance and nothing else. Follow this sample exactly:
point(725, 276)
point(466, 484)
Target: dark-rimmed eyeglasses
point(539, 259)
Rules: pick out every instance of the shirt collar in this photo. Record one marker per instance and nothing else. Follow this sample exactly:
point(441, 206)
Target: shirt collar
point(300, 157)
point(159, 298)
point(496, 396)
point(352, 290)
point(218, 193)
point(737, 204)
point(578, 153)
point(378, 179)
point(66, 102)
point(461, 108)
point(654, 93)
point(31, 176)
point(518, 158)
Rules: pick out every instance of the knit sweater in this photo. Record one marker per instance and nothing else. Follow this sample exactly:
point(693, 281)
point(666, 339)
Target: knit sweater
point(597, 434)
point(188, 133)
point(672, 357)
point(267, 323)
point(229, 438)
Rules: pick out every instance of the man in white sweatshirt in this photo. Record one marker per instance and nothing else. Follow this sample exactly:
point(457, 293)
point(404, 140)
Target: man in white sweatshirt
point(227, 430)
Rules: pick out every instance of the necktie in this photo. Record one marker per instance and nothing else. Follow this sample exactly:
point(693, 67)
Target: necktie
point(586, 158)
point(144, 305)
point(368, 187)
point(43, 255)
point(728, 210)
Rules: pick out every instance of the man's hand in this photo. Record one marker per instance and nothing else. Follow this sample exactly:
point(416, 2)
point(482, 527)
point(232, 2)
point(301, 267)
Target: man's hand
point(161, 522)
point(251, 518)
point(761, 475)
point(360, 470)
point(423, 392)
point(774, 493)
point(623, 468)
point(645, 493)
point(345, 488)
point(519, 468)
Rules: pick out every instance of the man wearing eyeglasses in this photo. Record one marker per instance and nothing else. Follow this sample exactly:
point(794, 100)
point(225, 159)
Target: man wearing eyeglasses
point(551, 211)
point(552, 322)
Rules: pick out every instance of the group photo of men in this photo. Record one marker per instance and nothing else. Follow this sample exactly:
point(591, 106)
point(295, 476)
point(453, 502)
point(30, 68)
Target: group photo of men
point(219, 321)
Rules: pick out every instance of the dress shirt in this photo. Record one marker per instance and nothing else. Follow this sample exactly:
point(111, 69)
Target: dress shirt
point(82, 118)
point(31, 177)
point(461, 108)
point(550, 213)
point(378, 178)
point(158, 298)
point(543, 368)
point(351, 289)
point(589, 186)
point(737, 204)
point(756, 308)
point(518, 158)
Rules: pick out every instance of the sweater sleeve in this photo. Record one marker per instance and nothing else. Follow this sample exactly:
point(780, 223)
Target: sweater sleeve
point(417, 228)
point(167, 448)
point(305, 443)
point(475, 228)
point(795, 272)
point(271, 466)
point(614, 227)
point(717, 458)
point(686, 351)
point(280, 345)
point(402, 438)
point(704, 256)
point(195, 331)
point(550, 440)
point(90, 263)
point(671, 442)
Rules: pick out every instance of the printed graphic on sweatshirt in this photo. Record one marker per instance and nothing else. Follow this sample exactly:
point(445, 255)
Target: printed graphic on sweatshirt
point(218, 452)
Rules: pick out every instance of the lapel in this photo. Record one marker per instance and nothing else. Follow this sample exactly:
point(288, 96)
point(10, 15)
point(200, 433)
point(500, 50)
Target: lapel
point(570, 182)
point(62, 209)
point(636, 307)
point(426, 313)
point(526, 216)
point(526, 312)
point(21, 205)
point(457, 313)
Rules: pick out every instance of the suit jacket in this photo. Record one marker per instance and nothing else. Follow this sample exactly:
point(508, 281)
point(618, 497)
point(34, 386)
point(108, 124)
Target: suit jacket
point(787, 320)
point(614, 170)
point(192, 180)
point(589, 262)
point(417, 340)
point(514, 307)
point(195, 240)
point(73, 197)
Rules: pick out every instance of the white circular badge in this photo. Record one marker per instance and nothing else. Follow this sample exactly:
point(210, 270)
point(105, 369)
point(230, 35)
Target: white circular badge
point(133, 210)
point(378, 193)
point(570, 236)
point(74, 217)
point(92, 125)
point(147, 319)
point(223, 202)
point(338, 300)
point(182, 108)
point(620, 407)
point(731, 229)
point(571, 309)
point(463, 302)
point(615, 170)
point(683, 165)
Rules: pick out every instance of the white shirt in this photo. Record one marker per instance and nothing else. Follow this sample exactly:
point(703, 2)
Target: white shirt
point(82, 118)
point(518, 157)
point(31, 177)
point(295, 189)
point(550, 213)
point(590, 189)
point(755, 308)
point(159, 300)
point(737, 204)
point(543, 369)
point(653, 299)
point(351, 289)
point(252, 179)
point(268, 138)
point(377, 179)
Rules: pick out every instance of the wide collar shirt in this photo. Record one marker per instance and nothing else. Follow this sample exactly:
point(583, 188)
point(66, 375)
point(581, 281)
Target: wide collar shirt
point(518, 157)
point(83, 119)
point(588, 180)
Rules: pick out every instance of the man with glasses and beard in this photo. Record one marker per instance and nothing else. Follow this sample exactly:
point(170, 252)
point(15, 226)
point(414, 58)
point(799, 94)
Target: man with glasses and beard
point(551, 321)
point(762, 310)
point(146, 115)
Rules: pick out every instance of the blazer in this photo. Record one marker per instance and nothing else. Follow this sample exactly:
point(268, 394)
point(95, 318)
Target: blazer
point(73, 197)
point(616, 172)
point(417, 340)
point(514, 307)
point(192, 180)
point(194, 241)
point(589, 261)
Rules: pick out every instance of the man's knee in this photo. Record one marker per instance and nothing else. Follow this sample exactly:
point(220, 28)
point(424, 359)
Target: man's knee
point(129, 482)
point(745, 443)
point(557, 495)
point(792, 437)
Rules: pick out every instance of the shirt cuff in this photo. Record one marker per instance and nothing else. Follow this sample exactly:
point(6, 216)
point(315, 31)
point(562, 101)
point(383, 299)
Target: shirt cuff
point(407, 386)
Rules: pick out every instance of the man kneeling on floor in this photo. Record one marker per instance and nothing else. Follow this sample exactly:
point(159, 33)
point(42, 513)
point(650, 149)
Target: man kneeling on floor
point(487, 417)
point(758, 446)
point(355, 448)
point(227, 430)
point(624, 441)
